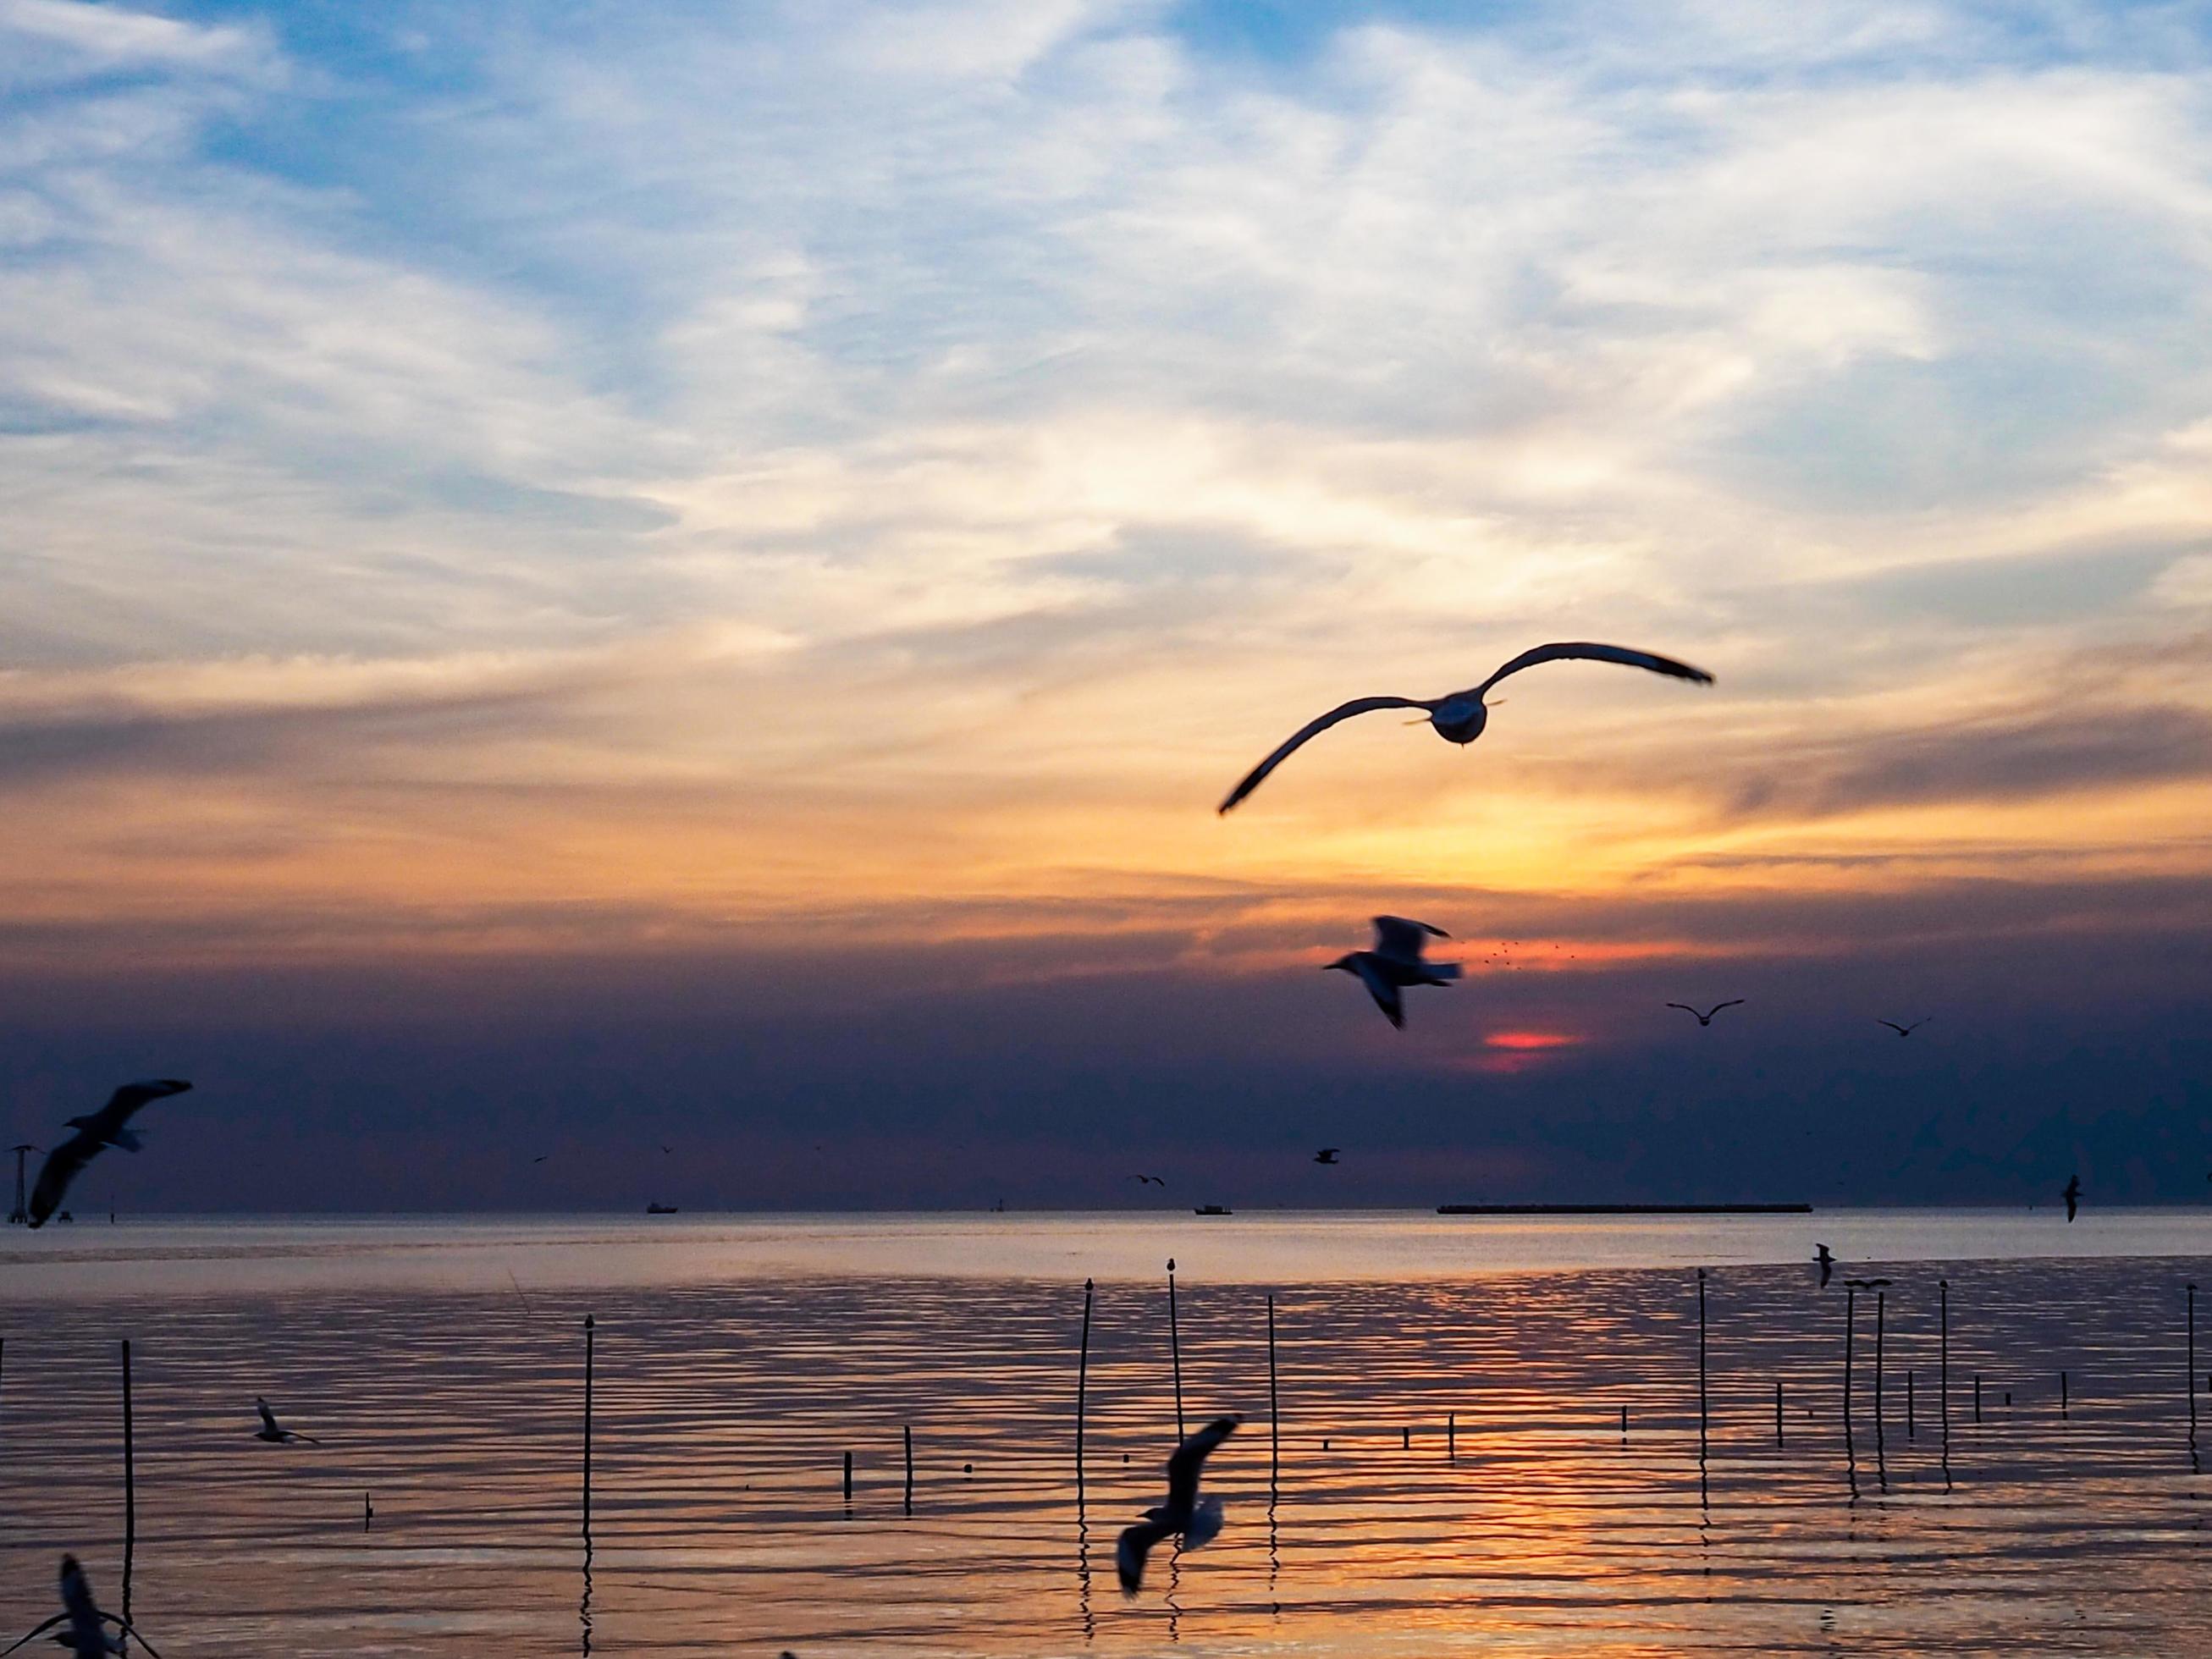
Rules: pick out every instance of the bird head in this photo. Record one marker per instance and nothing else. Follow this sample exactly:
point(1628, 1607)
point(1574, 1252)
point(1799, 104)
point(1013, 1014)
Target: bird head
point(1345, 962)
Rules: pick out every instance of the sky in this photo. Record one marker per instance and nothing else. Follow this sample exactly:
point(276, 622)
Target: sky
point(581, 578)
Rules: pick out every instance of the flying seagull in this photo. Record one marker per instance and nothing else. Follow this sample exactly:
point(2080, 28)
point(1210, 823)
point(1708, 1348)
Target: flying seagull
point(1184, 1513)
point(86, 1619)
point(1144, 1179)
point(1460, 716)
point(273, 1432)
point(1395, 963)
point(1905, 1031)
point(1706, 1019)
point(1826, 1264)
point(1327, 1154)
point(105, 1127)
point(2072, 1195)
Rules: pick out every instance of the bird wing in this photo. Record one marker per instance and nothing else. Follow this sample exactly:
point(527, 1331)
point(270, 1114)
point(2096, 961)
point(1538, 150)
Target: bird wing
point(132, 1096)
point(1130, 1550)
point(123, 1624)
point(1585, 651)
point(268, 1417)
point(1400, 937)
point(1258, 774)
point(58, 1171)
point(1189, 1457)
point(36, 1631)
point(1385, 995)
point(1685, 1007)
point(1893, 1025)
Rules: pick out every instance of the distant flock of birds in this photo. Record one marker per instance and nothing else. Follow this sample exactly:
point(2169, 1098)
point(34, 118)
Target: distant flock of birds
point(1396, 962)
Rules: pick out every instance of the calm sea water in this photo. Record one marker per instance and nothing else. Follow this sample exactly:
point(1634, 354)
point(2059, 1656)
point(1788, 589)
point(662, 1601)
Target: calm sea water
point(1446, 1470)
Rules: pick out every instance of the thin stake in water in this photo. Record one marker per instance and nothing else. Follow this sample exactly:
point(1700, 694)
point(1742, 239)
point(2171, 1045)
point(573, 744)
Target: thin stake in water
point(1174, 1349)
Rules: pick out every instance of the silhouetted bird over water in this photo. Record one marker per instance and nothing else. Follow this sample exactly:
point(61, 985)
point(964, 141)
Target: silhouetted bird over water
point(1185, 1514)
point(95, 1132)
point(1905, 1031)
point(1706, 1019)
point(86, 1636)
point(1827, 1263)
point(1327, 1154)
point(1460, 717)
point(2072, 1195)
point(1146, 1180)
point(273, 1432)
point(1395, 963)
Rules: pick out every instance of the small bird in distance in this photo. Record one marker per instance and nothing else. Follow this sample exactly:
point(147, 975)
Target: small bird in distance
point(1706, 1019)
point(1184, 1515)
point(1395, 963)
point(273, 1432)
point(1825, 1262)
point(1327, 1154)
point(1460, 716)
point(96, 1132)
point(2072, 1195)
point(1149, 1180)
point(1905, 1030)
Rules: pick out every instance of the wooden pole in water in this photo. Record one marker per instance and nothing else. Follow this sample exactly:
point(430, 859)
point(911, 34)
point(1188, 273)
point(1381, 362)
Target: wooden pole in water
point(1701, 1364)
point(1851, 1326)
point(590, 1365)
point(849, 1477)
point(1451, 1437)
point(1777, 1411)
point(1943, 1377)
point(2061, 1395)
point(1274, 1406)
point(1977, 1396)
point(130, 1482)
point(1624, 1426)
point(1175, 1347)
point(2189, 1377)
point(1082, 1384)
point(1881, 1302)
point(1910, 1431)
point(909, 1468)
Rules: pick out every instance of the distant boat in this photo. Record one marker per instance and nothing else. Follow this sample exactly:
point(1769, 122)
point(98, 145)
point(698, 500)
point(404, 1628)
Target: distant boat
point(1215, 1209)
point(660, 1209)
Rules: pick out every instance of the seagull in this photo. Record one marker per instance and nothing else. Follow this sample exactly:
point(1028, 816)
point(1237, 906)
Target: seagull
point(1183, 1513)
point(94, 1131)
point(1395, 963)
point(1460, 717)
point(1827, 1263)
point(1327, 1154)
point(85, 1618)
point(1905, 1031)
point(273, 1432)
point(1706, 1019)
point(2072, 1195)
point(1156, 1181)
point(541, 1158)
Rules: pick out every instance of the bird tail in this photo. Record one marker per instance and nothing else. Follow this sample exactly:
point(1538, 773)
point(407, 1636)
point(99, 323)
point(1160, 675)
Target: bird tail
point(1442, 972)
point(1205, 1524)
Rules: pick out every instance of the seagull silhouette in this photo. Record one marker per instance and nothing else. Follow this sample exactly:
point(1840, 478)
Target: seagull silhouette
point(86, 1636)
point(1184, 1513)
point(1826, 1264)
point(1905, 1031)
point(1460, 716)
point(2072, 1195)
point(1706, 1019)
point(1327, 1154)
point(273, 1432)
point(1142, 1180)
point(95, 1132)
point(1395, 963)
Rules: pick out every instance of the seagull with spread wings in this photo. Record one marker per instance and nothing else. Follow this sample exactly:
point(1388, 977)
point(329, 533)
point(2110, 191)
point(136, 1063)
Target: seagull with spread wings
point(1706, 1019)
point(87, 1636)
point(1395, 963)
point(1905, 1030)
point(2072, 1195)
point(274, 1432)
point(1460, 716)
point(1825, 1262)
point(96, 1132)
point(1327, 1154)
point(1185, 1514)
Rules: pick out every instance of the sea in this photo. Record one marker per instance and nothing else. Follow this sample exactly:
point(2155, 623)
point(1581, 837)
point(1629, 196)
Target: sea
point(876, 1435)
